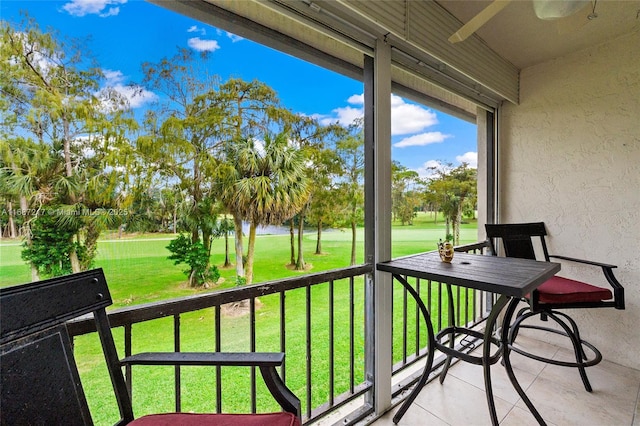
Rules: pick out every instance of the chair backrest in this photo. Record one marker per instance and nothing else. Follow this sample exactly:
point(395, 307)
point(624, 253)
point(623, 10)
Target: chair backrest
point(40, 384)
point(517, 239)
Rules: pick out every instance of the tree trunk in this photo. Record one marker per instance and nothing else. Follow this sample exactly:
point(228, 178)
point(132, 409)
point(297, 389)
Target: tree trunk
point(73, 255)
point(35, 274)
point(250, 252)
point(226, 250)
point(353, 242)
point(319, 238)
point(300, 265)
point(195, 236)
point(91, 244)
point(175, 219)
point(68, 166)
point(75, 261)
point(448, 226)
point(193, 280)
point(12, 224)
point(237, 223)
point(292, 261)
point(456, 237)
point(206, 243)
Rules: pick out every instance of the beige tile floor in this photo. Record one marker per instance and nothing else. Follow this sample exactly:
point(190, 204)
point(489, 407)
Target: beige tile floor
point(557, 393)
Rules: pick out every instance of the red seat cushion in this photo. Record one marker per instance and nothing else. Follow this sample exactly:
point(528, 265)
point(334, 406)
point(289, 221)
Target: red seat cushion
point(189, 419)
point(564, 290)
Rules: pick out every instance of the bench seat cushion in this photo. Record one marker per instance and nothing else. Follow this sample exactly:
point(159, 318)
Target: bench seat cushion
point(190, 419)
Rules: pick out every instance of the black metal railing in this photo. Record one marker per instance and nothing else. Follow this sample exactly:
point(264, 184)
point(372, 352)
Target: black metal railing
point(312, 359)
point(325, 348)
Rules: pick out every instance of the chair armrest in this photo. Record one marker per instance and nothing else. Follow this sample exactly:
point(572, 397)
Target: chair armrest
point(607, 269)
point(240, 359)
point(466, 248)
point(266, 361)
point(586, 262)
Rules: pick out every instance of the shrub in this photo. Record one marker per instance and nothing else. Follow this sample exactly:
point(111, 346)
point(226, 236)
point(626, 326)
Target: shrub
point(195, 255)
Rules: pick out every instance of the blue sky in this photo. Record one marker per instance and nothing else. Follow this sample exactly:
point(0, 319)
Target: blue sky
point(123, 34)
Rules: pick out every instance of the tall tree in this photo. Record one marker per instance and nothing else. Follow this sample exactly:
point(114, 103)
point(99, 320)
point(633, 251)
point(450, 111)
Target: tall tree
point(403, 195)
point(250, 109)
point(351, 152)
point(324, 205)
point(308, 136)
point(455, 190)
point(53, 88)
point(182, 135)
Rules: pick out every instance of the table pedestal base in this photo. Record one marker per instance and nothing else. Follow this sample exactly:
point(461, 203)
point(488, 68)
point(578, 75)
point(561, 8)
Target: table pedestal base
point(430, 348)
point(486, 360)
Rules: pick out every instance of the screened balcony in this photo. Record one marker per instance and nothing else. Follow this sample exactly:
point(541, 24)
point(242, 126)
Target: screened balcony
point(558, 138)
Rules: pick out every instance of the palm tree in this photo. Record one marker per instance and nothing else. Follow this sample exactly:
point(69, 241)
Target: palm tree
point(264, 185)
point(30, 174)
point(250, 109)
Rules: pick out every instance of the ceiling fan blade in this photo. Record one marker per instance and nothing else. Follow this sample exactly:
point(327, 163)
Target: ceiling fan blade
point(479, 20)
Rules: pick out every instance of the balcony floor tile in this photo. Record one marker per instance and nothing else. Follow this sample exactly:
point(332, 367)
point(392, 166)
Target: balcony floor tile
point(556, 391)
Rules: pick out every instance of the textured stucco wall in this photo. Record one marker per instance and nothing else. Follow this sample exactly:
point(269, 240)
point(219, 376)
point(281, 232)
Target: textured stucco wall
point(570, 156)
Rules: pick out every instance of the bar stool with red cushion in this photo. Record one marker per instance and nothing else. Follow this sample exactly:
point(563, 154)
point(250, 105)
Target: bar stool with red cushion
point(556, 293)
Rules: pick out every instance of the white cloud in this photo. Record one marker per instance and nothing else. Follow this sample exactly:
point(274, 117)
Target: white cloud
point(103, 8)
point(422, 139)
point(430, 169)
point(433, 164)
point(406, 118)
point(196, 43)
point(113, 77)
point(345, 116)
point(234, 38)
point(409, 118)
point(471, 158)
point(196, 29)
point(356, 99)
point(112, 11)
point(136, 96)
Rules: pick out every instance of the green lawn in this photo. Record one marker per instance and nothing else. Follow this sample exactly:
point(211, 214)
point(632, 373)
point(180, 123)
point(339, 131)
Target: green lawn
point(138, 271)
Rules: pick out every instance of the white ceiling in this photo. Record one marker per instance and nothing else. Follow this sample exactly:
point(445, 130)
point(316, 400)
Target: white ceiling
point(520, 37)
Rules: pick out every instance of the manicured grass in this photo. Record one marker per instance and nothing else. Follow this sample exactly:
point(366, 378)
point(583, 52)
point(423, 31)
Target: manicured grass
point(138, 271)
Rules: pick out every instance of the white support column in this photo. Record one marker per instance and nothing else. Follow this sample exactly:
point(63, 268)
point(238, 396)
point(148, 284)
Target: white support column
point(382, 291)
